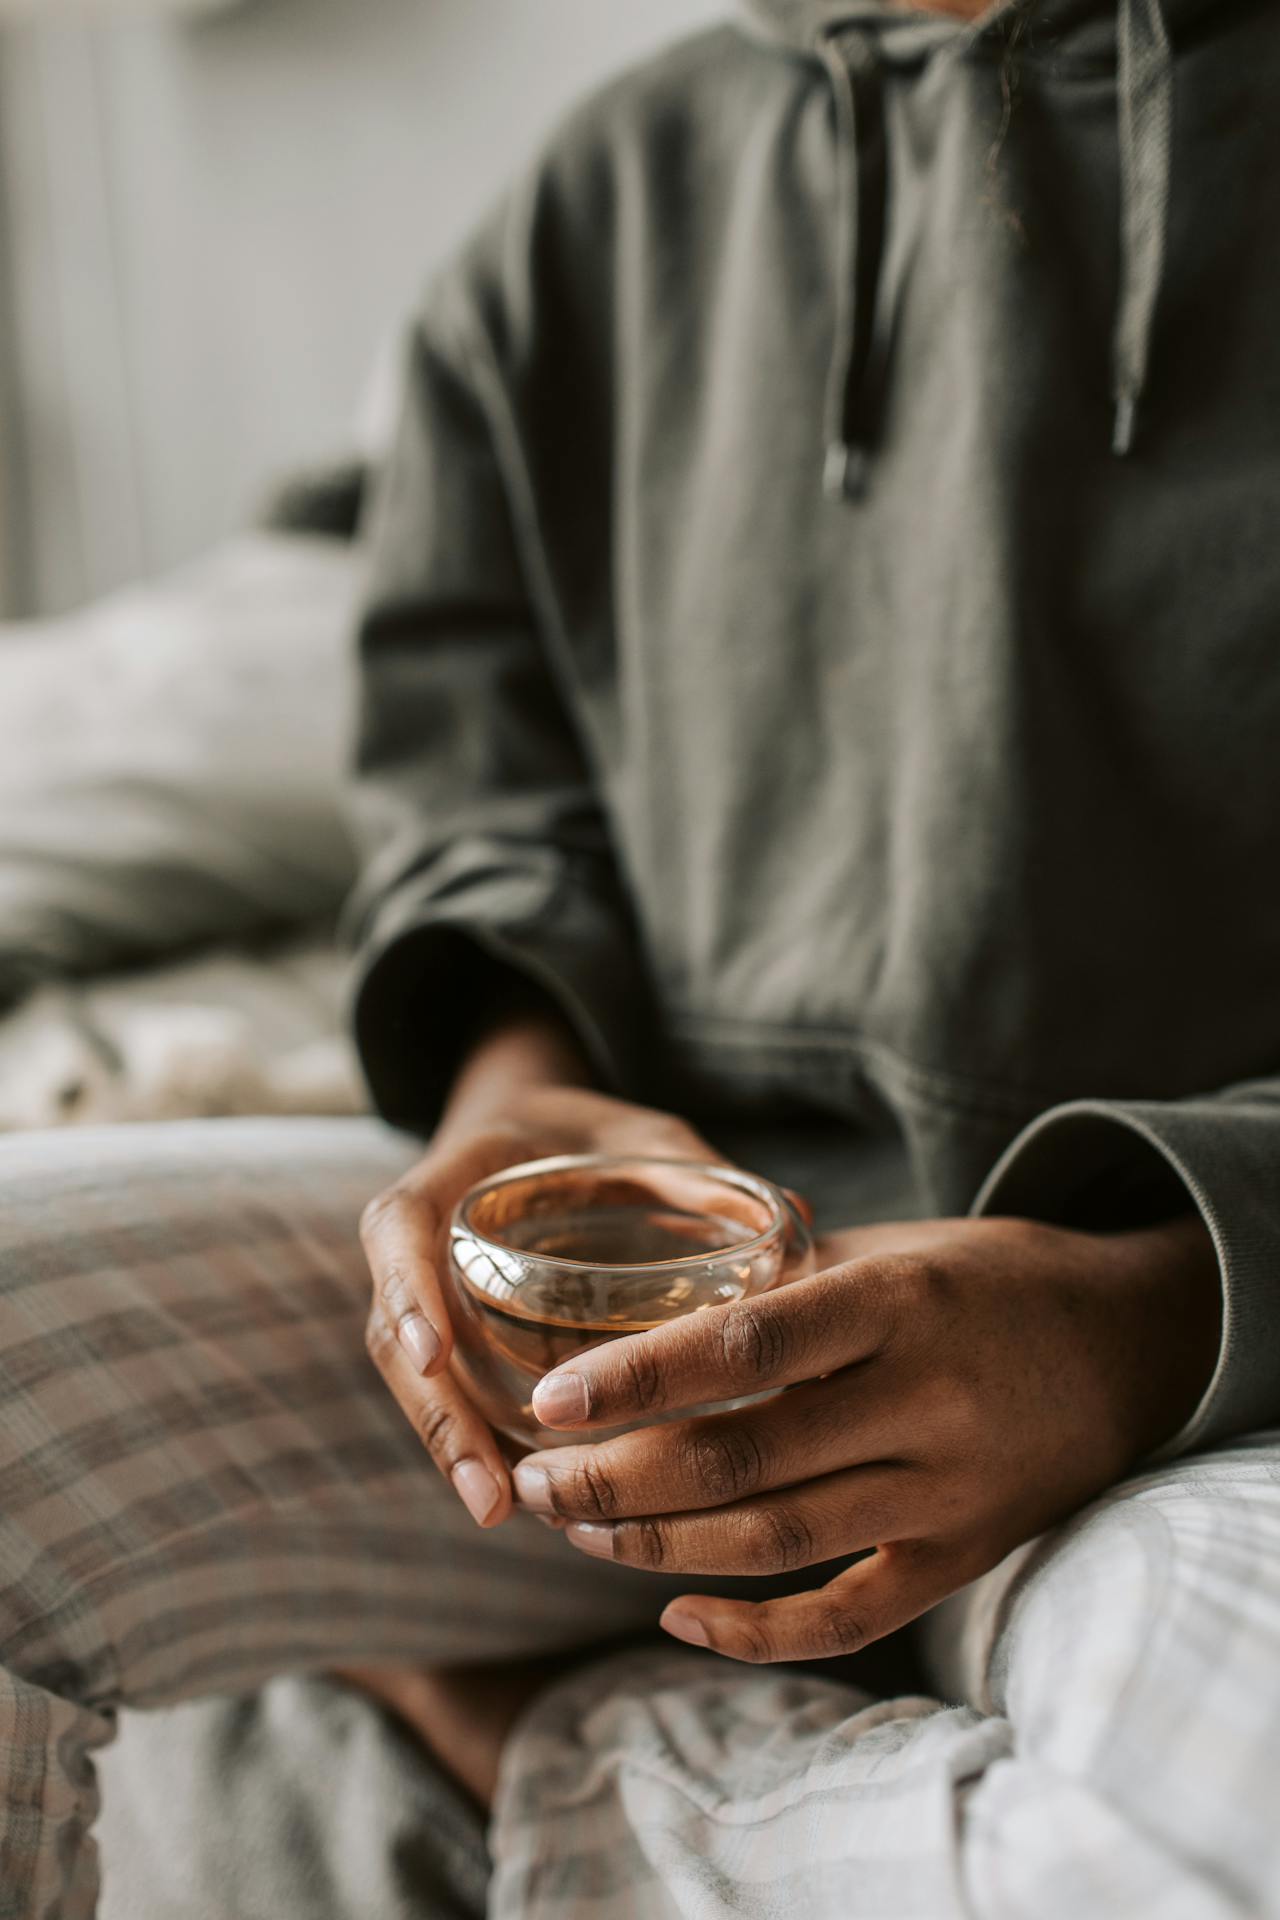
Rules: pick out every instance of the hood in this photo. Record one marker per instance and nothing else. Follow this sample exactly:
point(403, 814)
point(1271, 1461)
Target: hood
point(855, 39)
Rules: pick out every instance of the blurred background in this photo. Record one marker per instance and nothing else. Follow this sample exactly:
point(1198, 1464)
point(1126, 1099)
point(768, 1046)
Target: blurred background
point(211, 217)
point(215, 216)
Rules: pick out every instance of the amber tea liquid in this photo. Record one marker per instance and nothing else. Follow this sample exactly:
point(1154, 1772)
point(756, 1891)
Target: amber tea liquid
point(509, 1339)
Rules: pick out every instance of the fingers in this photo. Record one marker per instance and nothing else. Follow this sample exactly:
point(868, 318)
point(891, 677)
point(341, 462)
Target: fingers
point(459, 1441)
point(581, 1121)
point(401, 1232)
point(665, 1134)
point(688, 1465)
point(841, 1514)
point(812, 1327)
point(881, 1593)
point(409, 1336)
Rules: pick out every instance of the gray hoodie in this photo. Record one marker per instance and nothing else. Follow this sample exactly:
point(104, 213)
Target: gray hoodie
point(824, 615)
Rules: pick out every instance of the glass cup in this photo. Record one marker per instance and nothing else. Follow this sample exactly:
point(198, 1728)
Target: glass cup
point(557, 1256)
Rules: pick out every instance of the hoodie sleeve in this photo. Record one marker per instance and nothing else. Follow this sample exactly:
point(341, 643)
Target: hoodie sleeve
point(1092, 1161)
point(487, 869)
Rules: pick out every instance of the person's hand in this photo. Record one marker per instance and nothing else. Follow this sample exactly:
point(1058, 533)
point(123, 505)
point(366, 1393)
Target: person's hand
point(508, 1108)
point(955, 1387)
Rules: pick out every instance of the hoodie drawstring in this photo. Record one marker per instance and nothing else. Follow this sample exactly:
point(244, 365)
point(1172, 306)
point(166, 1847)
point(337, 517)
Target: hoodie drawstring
point(1144, 89)
point(860, 210)
point(1144, 84)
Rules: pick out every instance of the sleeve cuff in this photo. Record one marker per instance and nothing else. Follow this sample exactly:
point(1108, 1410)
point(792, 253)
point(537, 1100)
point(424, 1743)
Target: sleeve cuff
point(1100, 1164)
point(433, 972)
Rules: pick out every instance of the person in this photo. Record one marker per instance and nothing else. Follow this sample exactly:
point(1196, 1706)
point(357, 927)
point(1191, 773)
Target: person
point(819, 711)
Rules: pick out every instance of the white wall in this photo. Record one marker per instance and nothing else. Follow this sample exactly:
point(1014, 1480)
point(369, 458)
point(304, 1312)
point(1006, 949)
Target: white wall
point(213, 223)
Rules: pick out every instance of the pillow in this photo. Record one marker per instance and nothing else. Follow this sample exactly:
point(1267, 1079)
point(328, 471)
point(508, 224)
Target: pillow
point(172, 761)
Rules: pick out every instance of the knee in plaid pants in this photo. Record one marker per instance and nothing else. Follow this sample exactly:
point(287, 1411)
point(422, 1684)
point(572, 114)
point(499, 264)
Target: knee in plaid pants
point(203, 1484)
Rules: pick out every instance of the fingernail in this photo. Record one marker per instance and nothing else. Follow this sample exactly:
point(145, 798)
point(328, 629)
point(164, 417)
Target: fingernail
point(686, 1627)
point(533, 1488)
point(420, 1341)
point(477, 1489)
point(560, 1399)
point(595, 1540)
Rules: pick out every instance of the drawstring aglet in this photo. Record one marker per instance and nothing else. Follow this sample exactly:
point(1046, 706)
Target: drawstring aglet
point(1124, 425)
point(844, 473)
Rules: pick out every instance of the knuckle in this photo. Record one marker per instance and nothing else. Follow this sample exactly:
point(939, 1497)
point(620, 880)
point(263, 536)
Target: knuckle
point(395, 1293)
point(726, 1462)
point(783, 1539)
point(385, 1206)
point(641, 1374)
point(908, 1288)
point(921, 1281)
point(643, 1543)
point(437, 1427)
point(589, 1492)
point(834, 1630)
point(754, 1341)
point(378, 1340)
point(753, 1642)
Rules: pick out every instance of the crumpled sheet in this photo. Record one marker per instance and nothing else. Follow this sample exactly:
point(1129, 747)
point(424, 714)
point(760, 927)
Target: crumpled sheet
point(229, 1032)
point(302, 1802)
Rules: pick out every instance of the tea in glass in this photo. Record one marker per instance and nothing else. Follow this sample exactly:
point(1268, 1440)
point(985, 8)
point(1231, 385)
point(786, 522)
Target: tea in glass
point(554, 1257)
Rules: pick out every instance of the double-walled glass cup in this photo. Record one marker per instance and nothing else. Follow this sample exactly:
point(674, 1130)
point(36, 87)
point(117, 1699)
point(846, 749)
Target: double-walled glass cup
point(557, 1256)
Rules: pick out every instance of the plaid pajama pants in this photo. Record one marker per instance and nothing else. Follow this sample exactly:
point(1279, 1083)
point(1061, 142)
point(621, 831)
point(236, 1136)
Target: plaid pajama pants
point(204, 1485)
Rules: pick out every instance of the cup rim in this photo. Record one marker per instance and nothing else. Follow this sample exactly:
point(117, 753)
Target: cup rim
point(759, 1188)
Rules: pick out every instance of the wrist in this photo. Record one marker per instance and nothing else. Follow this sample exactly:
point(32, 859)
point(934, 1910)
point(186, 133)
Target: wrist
point(524, 1048)
point(1179, 1289)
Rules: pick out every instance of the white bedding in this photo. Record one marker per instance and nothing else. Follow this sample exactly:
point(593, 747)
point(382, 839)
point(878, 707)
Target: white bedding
point(227, 1033)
